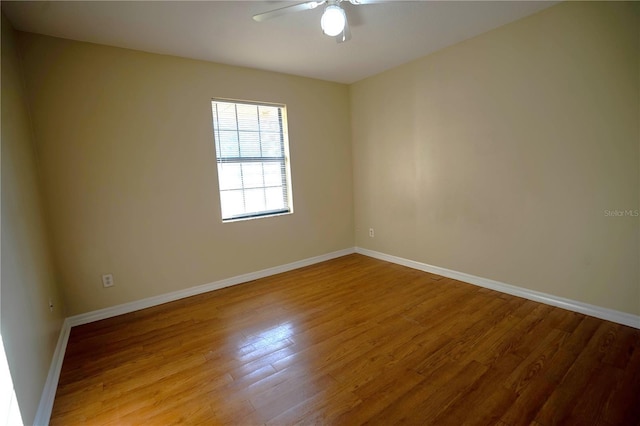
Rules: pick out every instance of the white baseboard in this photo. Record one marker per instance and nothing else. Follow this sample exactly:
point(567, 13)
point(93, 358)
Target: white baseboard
point(125, 308)
point(51, 385)
point(549, 299)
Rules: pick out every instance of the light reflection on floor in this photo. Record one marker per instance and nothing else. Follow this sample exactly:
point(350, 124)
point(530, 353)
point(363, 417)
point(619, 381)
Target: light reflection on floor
point(274, 334)
point(280, 373)
point(266, 346)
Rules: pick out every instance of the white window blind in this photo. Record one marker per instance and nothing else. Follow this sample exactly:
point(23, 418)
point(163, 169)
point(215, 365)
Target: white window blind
point(252, 155)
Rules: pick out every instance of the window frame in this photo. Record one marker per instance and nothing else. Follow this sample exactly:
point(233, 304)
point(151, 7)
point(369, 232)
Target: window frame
point(284, 160)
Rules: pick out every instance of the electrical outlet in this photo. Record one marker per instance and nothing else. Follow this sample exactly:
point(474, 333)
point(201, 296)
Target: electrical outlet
point(107, 280)
point(371, 233)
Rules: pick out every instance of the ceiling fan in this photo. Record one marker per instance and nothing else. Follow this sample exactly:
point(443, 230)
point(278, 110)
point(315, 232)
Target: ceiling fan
point(334, 19)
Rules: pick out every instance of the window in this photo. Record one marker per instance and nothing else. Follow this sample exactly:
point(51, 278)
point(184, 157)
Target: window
point(252, 151)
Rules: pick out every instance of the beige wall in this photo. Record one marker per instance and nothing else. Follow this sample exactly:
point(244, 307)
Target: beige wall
point(126, 146)
point(29, 330)
point(498, 156)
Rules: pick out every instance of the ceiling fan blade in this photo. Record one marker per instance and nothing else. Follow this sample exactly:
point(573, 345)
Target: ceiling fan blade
point(288, 9)
point(345, 35)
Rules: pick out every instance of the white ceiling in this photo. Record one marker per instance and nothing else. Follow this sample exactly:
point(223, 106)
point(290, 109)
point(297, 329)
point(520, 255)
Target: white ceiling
point(385, 35)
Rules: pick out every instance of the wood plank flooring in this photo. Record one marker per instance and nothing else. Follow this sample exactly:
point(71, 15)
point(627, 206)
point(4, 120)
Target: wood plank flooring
point(351, 341)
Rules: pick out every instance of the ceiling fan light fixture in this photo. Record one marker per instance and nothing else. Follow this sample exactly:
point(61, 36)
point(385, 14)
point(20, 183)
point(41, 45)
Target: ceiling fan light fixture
point(333, 20)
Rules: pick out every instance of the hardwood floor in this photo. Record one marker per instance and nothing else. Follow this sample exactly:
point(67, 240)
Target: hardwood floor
point(350, 341)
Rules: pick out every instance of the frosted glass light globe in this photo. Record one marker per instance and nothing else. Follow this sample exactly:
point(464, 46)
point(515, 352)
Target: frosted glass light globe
point(333, 20)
